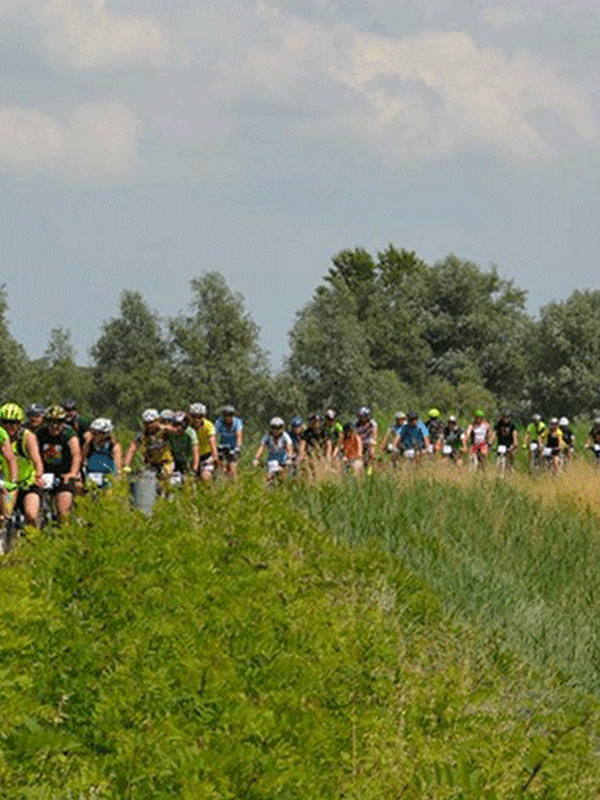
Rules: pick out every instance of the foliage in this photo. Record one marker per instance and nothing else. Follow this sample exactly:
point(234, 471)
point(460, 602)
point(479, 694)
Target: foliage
point(226, 648)
point(215, 350)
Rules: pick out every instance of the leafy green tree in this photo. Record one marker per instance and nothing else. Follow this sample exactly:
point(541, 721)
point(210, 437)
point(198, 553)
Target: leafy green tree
point(215, 350)
point(131, 369)
point(13, 358)
point(564, 356)
point(329, 350)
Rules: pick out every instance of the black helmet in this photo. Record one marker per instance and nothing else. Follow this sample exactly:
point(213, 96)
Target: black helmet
point(69, 405)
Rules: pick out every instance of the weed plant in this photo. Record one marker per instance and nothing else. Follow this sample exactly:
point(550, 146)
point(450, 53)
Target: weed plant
point(227, 647)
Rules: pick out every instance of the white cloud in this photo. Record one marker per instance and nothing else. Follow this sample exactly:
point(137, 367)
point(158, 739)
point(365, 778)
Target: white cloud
point(82, 34)
point(423, 96)
point(97, 141)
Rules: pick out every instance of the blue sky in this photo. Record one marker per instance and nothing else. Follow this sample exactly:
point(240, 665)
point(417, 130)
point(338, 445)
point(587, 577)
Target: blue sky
point(144, 143)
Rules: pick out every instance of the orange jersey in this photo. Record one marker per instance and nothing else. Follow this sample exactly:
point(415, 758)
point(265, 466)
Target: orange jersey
point(352, 446)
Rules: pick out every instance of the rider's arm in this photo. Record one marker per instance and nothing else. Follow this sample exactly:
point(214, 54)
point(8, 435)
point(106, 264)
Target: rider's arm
point(75, 457)
point(131, 451)
point(117, 457)
point(258, 454)
point(9, 457)
point(426, 442)
point(515, 440)
point(195, 456)
point(212, 440)
point(33, 451)
point(239, 437)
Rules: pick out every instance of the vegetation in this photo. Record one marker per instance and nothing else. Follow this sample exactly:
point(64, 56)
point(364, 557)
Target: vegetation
point(250, 644)
point(387, 330)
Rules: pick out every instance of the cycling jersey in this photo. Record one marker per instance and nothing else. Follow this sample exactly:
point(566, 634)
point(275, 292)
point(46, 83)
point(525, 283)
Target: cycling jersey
point(25, 466)
point(81, 426)
point(595, 434)
point(228, 433)
point(567, 436)
point(204, 433)
point(351, 446)
point(554, 440)
point(182, 445)
point(412, 437)
point(155, 448)
point(55, 450)
point(333, 431)
point(277, 446)
point(434, 427)
point(478, 433)
point(367, 431)
point(536, 431)
point(505, 433)
point(101, 458)
point(453, 436)
point(315, 440)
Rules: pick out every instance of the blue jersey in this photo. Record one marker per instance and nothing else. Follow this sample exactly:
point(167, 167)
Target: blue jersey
point(228, 435)
point(412, 436)
point(100, 458)
point(277, 446)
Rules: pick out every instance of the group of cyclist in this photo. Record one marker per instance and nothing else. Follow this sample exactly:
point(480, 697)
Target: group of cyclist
point(55, 449)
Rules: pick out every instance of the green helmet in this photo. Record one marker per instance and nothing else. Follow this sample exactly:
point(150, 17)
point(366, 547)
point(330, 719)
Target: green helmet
point(11, 412)
point(434, 413)
point(55, 413)
point(478, 413)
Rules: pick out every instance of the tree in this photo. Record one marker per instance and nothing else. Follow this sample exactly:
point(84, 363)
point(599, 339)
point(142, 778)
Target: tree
point(215, 350)
point(13, 358)
point(564, 356)
point(131, 369)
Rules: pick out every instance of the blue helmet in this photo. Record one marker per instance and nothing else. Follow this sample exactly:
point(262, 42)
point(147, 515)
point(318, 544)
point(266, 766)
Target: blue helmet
point(296, 422)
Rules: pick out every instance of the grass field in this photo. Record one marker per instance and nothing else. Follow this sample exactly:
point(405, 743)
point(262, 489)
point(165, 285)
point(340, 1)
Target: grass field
point(426, 637)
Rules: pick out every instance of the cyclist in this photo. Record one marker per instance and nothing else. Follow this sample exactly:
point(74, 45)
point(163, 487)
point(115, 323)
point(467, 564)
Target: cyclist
point(230, 430)
point(387, 445)
point(411, 437)
point(75, 421)
point(593, 440)
point(534, 435)
point(435, 426)
point(278, 445)
point(568, 438)
point(153, 445)
point(35, 417)
point(166, 416)
point(183, 441)
point(452, 435)
point(314, 441)
point(30, 470)
point(61, 456)
point(101, 455)
point(10, 469)
point(207, 440)
point(553, 444)
point(506, 436)
point(332, 426)
point(366, 427)
point(295, 433)
point(478, 437)
point(351, 449)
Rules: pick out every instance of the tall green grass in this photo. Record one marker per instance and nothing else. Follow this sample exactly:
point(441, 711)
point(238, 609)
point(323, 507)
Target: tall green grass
point(524, 570)
point(228, 647)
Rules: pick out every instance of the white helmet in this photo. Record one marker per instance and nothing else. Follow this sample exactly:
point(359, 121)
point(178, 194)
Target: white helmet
point(400, 415)
point(198, 409)
point(102, 425)
point(563, 422)
point(150, 415)
point(276, 422)
point(166, 414)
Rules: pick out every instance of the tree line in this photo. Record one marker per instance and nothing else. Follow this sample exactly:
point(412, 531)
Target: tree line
point(386, 330)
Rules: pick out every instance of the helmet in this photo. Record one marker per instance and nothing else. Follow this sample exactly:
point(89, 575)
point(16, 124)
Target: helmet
point(364, 411)
point(400, 415)
point(554, 421)
point(276, 422)
point(228, 411)
point(452, 418)
point(55, 413)
point(69, 405)
point(412, 415)
point(296, 422)
point(563, 422)
point(102, 425)
point(150, 415)
point(35, 410)
point(537, 417)
point(330, 414)
point(434, 413)
point(180, 418)
point(315, 417)
point(11, 412)
point(198, 410)
point(478, 413)
point(166, 414)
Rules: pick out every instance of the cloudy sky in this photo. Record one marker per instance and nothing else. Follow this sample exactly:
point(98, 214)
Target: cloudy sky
point(143, 142)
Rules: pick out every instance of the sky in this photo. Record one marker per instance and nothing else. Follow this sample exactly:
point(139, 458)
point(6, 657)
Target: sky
point(144, 143)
